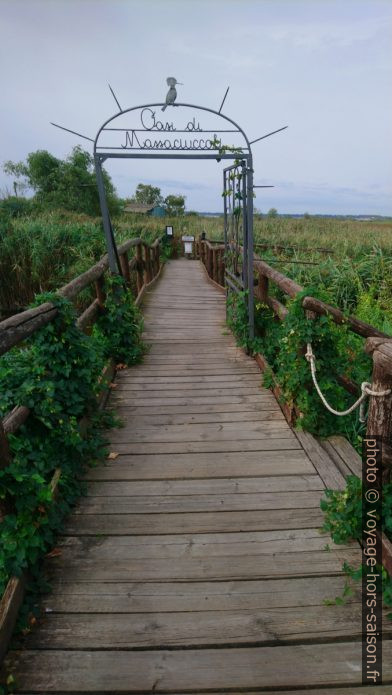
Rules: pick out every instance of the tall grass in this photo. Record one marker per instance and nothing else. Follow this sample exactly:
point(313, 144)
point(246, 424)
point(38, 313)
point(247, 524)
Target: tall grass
point(46, 251)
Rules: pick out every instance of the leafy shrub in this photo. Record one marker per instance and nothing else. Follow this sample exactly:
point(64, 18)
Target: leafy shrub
point(56, 375)
point(121, 324)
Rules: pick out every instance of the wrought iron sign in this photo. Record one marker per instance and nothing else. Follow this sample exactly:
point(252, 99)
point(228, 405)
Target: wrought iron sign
point(156, 134)
point(182, 131)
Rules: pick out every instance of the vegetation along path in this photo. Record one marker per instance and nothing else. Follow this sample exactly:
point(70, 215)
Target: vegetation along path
point(195, 563)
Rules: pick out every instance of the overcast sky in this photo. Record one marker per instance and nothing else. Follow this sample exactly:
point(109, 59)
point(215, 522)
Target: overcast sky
point(321, 67)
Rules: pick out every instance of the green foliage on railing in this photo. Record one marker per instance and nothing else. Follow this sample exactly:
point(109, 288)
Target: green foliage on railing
point(56, 374)
point(120, 326)
point(343, 520)
point(338, 352)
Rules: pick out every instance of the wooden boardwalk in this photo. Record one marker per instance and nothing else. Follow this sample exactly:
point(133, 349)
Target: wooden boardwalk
point(195, 563)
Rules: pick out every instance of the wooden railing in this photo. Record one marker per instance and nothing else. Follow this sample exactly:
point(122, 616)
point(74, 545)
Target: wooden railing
point(378, 344)
point(138, 273)
point(213, 257)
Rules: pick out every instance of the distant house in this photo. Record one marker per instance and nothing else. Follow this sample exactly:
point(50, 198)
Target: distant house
point(150, 210)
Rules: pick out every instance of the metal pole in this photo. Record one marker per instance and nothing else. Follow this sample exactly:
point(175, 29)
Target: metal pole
point(250, 246)
point(111, 249)
point(245, 267)
point(224, 210)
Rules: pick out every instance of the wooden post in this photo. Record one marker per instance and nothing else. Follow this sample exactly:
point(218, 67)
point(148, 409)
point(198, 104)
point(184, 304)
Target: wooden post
point(147, 264)
point(157, 259)
point(379, 422)
point(209, 260)
point(5, 460)
point(215, 264)
point(139, 268)
point(124, 263)
point(262, 288)
point(100, 291)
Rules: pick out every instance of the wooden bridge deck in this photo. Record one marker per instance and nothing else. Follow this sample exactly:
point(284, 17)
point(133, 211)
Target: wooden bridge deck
point(195, 563)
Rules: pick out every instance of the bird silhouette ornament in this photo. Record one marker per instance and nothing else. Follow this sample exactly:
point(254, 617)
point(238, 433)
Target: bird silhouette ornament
point(171, 96)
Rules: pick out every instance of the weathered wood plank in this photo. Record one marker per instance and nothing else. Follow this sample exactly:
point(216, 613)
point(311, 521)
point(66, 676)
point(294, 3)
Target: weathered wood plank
point(123, 406)
point(348, 454)
point(256, 402)
point(275, 440)
point(132, 597)
point(207, 628)
point(147, 420)
point(208, 486)
point(281, 565)
point(206, 433)
point(192, 522)
point(156, 504)
point(327, 470)
point(165, 670)
point(185, 466)
point(209, 545)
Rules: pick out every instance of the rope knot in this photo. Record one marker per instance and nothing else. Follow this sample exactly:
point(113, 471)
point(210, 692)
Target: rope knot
point(309, 352)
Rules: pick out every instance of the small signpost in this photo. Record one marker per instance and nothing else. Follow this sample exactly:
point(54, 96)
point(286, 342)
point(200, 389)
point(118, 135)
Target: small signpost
point(188, 244)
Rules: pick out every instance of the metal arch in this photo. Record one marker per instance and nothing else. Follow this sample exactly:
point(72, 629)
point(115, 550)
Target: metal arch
point(191, 106)
point(100, 157)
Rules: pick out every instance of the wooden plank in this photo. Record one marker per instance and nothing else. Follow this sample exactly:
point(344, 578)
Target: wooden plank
point(188, 390)
point(278, 667)
point(168, 381)
point(335, 458)
point(193, 400)
point(156, 504)
point(157, 597)
point(209, 486)
point(275, 440)
point(188, 466)
point(202, 545)
point(201, 628)
point(328, 472)
point(348, 454)
point(147, 420)
point(214, 432)
point(194, 408)
point(192, 522)
point(310, 564)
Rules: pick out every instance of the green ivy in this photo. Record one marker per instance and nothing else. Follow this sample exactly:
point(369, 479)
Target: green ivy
point(56, 374)
point(337, 351)
point(343, 521)
point(119, 328)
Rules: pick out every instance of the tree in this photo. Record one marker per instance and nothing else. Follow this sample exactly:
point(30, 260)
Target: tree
point(68, 183)
point(147, 195)
point(272, 212)
point(175, 205)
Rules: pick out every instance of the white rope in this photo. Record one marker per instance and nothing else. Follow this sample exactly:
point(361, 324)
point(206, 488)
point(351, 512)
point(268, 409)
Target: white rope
point(366, 390)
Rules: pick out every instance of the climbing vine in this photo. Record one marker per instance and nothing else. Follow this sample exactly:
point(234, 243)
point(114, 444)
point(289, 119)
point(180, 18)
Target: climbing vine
point(120, 326)
point(343, 520)
point(56, 374)
point(283, 345)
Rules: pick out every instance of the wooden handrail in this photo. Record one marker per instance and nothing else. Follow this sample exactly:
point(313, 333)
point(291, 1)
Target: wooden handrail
point(378, 344)
point(17, 328)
